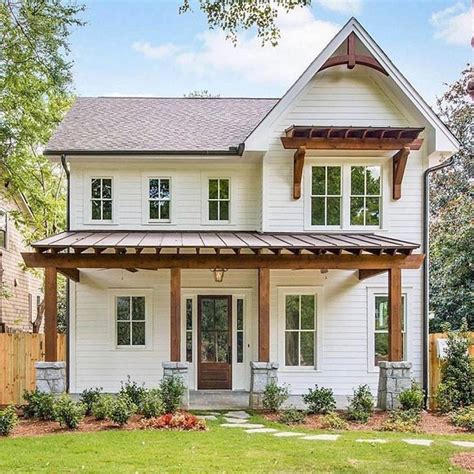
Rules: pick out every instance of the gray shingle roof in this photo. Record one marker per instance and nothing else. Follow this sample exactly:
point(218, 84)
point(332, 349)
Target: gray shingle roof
point(127, 124)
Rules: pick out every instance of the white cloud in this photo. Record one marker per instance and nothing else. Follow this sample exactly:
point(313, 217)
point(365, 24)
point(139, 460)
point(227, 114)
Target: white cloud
point(453, 24)
point(350, 7)
point(155, 52)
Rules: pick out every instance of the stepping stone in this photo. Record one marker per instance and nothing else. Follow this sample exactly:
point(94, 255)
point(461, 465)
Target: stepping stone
point(261, 430)
point(287, 434)
point(376, 440)
point(241, 415)
point(207, 417)
point(234, 420)
point(419, 442)
point(322, 437)
point(242, 425)
point(463, 444)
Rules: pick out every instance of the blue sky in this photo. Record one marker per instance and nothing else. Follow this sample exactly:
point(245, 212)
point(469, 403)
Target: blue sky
point(144, 47)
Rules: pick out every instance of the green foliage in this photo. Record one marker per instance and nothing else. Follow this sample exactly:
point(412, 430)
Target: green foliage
point(134, 391)
point(333, 421)
point(361, 405)
point(151, 404)
point(67, 412)
point(320, 400)
point(8, 420)
point(89, 396)
point(412, 398)
point(38, 405)
point(292, 416)
point(102, 407)
point(464, 418)
point(121, 409)
point(404, 421)
point(274, 396)
point(172, 390)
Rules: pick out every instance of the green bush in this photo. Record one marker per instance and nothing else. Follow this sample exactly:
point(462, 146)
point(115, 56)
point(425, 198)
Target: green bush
point(274, 396)
point(89, 397)
point(8, 420)
point(361, 405)
point(404, 421)
point(412, 398)
point(122, 408)
point(464, 418)
point(38, 405)
point(102, 407)
point(172, 390)
point(320, 400)
point(134, 391)
point(333, 421)
point(151, 404)
point(67, 412)
point(292, 416)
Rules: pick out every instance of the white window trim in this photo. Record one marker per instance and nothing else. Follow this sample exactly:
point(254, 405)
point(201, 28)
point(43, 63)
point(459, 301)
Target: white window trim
point(145, 200)
point(282, 292)
point(149, 312)
point(205, 177)
point(5, 212)
point(345, 164)
point(88, 199)
point(372, 292)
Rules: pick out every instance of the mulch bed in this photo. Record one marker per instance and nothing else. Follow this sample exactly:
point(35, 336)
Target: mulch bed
point(464, 461)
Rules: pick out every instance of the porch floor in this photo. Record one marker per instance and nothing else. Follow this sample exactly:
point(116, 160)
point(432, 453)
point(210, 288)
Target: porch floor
point(218, 399)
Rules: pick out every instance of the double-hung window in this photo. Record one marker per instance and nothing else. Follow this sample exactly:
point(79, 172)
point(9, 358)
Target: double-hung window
point(101, 199)
point(159, 199)
point(326, 196)
point(219, 199)
point(365, 196)
point(130, 316)
point(3, 228)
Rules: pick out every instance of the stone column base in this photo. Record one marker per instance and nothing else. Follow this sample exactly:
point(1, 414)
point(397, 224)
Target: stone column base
point(262, 373)
point(394, 378)
point(178, 369)
point(51, 377)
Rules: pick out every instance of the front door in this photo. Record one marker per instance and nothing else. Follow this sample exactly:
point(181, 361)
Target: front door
point(214, 342)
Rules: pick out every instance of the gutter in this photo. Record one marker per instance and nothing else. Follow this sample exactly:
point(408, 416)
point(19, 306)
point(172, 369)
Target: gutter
point(426, 270)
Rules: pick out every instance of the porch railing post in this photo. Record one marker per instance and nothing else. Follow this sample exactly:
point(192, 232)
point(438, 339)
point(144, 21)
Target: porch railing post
point(51, 314)
point(175, 315)
point(395, 341)
point(264, 315)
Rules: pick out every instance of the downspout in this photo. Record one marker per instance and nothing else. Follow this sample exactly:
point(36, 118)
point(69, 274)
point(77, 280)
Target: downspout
point(68, 226)
point(426, 269)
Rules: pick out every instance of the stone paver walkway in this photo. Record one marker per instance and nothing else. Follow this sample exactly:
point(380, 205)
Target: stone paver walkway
point(242, 415)
point(463, 444)
point(419, 442)
point(321, 437)
point(242, 425)
point(235, 420)
point(288, 434)
point(262, 430)
point(374, 440)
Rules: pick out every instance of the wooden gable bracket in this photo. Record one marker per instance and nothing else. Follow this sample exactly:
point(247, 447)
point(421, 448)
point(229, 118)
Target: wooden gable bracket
point(398, 170)
point(298, 165)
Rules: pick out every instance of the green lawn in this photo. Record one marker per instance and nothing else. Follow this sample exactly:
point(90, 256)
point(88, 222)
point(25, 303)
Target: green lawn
point(223, 450)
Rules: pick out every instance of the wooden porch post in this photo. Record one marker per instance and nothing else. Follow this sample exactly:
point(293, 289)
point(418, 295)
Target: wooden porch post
point(51, 314)
point(263, 315)
point(175, 315)
point(395, 342)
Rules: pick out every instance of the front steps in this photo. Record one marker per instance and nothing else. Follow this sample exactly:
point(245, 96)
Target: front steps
point(218, 399)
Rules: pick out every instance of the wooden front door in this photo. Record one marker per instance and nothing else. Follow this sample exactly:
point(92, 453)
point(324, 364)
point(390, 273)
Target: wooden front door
point(214, 342)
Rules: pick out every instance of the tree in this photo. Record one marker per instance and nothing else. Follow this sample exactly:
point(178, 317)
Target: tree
point(451, 211)
point(233, 16)
point(204, 93)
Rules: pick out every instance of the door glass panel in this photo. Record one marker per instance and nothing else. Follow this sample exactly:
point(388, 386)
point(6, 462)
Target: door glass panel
point(221, 315)
point(207, 315)
point(215, 334)
point(208, 346)
point(222, 346)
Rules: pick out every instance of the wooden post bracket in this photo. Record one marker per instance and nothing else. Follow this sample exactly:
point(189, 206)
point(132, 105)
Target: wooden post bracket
point(298, 165)
point(399, 164)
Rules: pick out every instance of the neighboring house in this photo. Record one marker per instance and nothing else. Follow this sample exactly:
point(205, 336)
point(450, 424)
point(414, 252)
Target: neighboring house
point(238, 234)
point(21, 292)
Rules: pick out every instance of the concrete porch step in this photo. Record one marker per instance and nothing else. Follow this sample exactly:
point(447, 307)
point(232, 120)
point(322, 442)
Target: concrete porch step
point(218, 399)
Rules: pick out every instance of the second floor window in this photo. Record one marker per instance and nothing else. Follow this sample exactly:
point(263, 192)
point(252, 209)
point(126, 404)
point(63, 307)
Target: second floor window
point(3, 229)
point(159, 199)
point(219, 199)
point(326, 195)
point(101, 199)
point(365, 195)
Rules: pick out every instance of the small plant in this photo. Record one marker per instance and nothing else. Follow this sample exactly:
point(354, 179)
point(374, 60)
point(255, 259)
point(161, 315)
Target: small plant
point(412, 398)
point(134, 391)
point(320, 400)
point(151, 405)
point(102, 407)
point(464, 418)
point(8, 420)
point(447, 397)
point(38, 405)
point(122, 408)
point(180, 421)
point(172, 390)
point(274, 396)
point(333, 421)
point(292, 416)
point(89, 397)
point(67, 412)
point(361, 405)
point(404, 421)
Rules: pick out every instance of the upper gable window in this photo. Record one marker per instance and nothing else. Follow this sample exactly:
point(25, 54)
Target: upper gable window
point(101, 199)
point(326, 195)
point(365, 195)
point(159, 199)
point(219, 199)
point(3, 229)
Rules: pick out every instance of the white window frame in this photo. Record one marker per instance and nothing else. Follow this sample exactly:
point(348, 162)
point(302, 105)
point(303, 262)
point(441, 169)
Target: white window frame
point(130, 292)
point(5, 228)
point(205, 200)
point(88, 199)
point(147, 199)
point(283, 292)
point(372, 292)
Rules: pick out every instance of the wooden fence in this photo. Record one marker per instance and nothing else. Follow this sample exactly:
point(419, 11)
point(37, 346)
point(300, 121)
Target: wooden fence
point(18, 354)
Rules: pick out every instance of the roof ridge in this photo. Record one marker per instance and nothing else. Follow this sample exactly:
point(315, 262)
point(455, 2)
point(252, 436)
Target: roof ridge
point(175, 97)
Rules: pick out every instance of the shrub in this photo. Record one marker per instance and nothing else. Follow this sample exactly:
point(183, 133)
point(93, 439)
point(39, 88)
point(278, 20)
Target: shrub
point(447, 397)
point(320, 400)
point(68, 412)
point(292, 416)
point(412, 398)
point(404, 421)
point(171, 391)
point(102, 407)
point(8, 420)
point(333, 421)
point(274, 396)
point(121, 409)
point(181, 421)
point(464, 418)
point(38, 405)
point(134, 391)
point(151, 405)
point(89, 397)
point(361, 405)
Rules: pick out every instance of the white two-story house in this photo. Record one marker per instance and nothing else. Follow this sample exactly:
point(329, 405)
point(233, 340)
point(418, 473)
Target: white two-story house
point(226, 238)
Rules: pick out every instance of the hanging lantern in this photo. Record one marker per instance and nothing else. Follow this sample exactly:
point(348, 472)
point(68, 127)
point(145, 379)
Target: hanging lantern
point(218, 274)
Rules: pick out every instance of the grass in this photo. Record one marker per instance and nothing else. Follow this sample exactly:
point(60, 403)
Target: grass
point(221, 450)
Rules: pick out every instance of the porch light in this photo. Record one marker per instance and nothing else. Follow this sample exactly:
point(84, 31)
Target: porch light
point(218, 274)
